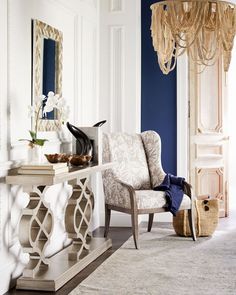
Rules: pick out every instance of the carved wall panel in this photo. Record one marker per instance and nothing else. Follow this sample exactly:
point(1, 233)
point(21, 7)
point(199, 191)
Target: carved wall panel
point(209, 115)
point(210, 182)
point(209, 150)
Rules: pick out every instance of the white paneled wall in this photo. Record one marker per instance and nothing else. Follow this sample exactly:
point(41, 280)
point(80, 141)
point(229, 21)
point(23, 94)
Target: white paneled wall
point(5, 262)
point(86, 60)
point(101, 80)
point(3, 80)
point(20, 14)
point(120, 60)
point(79, 22)
point(120, 71)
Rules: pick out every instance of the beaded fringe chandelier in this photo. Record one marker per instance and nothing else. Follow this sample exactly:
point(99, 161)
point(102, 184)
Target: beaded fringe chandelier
point(205, 29)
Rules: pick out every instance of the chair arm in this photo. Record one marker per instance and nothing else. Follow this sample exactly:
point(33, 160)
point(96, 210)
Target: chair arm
point(188, 190)
point(114, 188)
point(133, 202)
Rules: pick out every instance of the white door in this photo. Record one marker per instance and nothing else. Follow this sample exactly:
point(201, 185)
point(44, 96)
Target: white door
point(208, 137)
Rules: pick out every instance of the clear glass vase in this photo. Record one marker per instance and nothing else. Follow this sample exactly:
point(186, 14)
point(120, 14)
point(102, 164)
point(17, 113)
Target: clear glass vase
point(35, 154)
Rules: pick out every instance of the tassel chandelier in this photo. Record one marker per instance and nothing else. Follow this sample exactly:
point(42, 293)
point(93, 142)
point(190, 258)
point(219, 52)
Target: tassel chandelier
point(205, 29)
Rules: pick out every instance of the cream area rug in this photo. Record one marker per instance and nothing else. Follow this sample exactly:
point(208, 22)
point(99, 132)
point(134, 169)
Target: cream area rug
point(167, 265)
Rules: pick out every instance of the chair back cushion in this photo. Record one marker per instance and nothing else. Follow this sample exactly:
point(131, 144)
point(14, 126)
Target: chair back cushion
point(127, 151)
point(152, 146)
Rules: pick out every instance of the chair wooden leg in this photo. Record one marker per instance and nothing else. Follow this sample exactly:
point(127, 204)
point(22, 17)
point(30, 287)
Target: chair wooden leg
point(107, 220)
point(134, 219)
point(192, 223)
point(150, 221)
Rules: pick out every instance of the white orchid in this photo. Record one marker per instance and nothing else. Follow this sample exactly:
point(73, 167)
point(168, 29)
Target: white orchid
point(38, 100)
point(53, 101)
point(48, 107)
point(61, 103)
point(64, 113)
point(50, 103)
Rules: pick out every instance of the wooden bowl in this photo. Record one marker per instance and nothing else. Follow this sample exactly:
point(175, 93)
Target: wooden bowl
point(52, 158)
point(64, 158)
point(78, 160)
point(58, 158)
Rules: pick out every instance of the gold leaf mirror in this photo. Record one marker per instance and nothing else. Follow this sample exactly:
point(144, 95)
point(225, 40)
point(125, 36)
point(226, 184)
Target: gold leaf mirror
point(46, 68)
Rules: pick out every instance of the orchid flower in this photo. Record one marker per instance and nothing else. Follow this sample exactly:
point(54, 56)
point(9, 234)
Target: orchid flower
point(53, 101)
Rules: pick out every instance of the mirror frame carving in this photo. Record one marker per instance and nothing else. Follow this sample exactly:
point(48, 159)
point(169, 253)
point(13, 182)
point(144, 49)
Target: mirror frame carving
point(42, 30)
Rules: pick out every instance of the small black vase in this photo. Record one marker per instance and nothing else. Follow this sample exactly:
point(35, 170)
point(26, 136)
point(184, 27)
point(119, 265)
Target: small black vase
point(83, 143)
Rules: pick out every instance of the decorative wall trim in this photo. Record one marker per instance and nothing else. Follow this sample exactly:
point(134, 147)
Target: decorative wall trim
point(117, 77)
point(77, 69)
point(1, 113)
point(213, 184)
point(1, 233)
point(88, 64)
point(210, 181)
point(182, 116)
point(3, 105)
point(116, 5)
point(62, 4)
point(3, 77)
point(208, 150)
point(204, 126)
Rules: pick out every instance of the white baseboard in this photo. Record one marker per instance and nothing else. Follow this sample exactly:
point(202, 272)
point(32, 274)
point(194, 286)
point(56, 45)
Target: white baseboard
point(159, 217)
point(123, 219)
point(118, 219)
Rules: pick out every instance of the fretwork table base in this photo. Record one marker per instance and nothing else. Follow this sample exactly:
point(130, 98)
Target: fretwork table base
point(36, 225)
point(61, 270)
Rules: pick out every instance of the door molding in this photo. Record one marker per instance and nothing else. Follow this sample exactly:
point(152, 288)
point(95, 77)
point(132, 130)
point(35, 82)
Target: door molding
point(182, 116)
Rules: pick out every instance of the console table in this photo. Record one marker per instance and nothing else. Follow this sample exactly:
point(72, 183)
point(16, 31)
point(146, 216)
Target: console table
point(36, 225)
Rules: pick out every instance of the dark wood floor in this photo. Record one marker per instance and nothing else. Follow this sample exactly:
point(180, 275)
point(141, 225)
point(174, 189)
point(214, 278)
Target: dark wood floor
point(118, 235)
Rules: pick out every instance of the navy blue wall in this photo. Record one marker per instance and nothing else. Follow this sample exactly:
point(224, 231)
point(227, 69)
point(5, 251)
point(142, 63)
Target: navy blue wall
point(158, 95)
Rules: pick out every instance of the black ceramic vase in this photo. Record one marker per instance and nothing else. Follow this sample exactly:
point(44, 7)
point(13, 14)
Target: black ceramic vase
point(83, 143)
point(84, 146)
point(100, 123)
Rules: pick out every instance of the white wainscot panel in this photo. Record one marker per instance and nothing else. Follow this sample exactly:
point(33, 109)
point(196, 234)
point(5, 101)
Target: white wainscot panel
point(89, 96)
point(117, 77)
point(116, 5)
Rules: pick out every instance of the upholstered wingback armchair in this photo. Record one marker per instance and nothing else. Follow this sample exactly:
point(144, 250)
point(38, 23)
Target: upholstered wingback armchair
point(128, 186)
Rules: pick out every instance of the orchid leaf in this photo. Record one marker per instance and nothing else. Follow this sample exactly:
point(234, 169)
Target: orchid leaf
point(40, 141)
point(33, 135)
point(24, 139)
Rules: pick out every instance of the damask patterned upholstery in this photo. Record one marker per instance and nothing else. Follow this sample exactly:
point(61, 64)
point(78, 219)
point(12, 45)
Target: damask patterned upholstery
point(138, 168)
point(148, 199)
point(128, 151)
point(152, 146)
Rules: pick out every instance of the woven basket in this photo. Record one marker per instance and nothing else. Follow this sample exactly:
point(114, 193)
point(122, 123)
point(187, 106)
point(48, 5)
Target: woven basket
point(206, 219)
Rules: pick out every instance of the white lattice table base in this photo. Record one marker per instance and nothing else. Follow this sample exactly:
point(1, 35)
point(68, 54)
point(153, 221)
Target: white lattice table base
point(36, 225)
point(35, 230)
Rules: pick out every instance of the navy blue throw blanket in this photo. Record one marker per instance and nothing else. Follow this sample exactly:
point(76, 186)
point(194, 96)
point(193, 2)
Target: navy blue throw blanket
point(173, 187)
